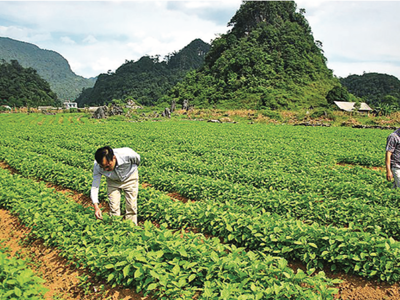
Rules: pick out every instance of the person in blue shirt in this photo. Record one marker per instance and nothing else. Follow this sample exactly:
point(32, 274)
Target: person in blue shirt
point(120, 167)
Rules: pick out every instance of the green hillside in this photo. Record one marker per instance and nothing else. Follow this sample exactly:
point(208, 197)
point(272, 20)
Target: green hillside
point(21, 86)
point(268, 59)
point(50, 65)
point(147, 79)
point(375, 88)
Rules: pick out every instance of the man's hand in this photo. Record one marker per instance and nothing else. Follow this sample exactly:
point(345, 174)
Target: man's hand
point(97, 212)
point(389, 175)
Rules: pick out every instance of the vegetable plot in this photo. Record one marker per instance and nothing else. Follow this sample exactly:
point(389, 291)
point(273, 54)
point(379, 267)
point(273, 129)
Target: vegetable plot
point(272, 190)
point(175, 265)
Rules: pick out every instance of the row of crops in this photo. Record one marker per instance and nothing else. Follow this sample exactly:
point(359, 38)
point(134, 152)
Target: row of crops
point(269, 192)
point(17, 280)
point(49, 119)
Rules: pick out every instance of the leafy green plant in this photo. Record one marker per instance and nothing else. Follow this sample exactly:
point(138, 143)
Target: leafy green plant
point(17, 281)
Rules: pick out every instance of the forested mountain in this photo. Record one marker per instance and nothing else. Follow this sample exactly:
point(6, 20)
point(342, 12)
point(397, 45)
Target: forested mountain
point(147, 79)
point(268, 59)
point(21, 86)
point(50, 65)
point(374, 88)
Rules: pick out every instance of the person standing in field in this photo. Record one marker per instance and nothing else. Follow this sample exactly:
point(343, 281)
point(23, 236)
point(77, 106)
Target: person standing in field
point(120, 167)
point(393, 158)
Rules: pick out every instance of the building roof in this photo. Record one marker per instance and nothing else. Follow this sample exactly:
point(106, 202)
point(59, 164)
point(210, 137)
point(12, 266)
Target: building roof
point(349, 106)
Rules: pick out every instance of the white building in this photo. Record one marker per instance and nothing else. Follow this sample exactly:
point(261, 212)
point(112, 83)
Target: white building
point(70, 104)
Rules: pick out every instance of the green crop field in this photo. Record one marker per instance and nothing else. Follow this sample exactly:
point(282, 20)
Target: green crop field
point(267, 194)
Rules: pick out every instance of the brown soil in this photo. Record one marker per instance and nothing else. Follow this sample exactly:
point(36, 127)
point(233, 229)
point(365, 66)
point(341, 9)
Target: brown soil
point(4, 165)
point(357, 288)
point(62, 279)
point(173, 195)
point(179, 197)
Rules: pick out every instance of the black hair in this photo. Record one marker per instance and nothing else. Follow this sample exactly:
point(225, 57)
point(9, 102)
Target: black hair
point(106, 152)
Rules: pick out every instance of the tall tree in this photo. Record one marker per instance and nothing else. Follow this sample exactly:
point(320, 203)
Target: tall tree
point(337, 93)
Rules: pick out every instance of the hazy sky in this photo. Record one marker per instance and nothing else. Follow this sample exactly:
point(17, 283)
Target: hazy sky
point(97, 36)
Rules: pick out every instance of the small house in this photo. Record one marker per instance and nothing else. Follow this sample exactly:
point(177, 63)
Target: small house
point(70, 104)
point(349, 106)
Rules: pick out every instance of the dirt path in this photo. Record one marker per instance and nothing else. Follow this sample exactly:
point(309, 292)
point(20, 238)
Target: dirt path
point(357, 288)
point(62, 279)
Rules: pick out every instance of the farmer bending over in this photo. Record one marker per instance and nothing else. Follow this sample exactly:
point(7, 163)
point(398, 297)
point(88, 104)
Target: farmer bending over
point(120, 167)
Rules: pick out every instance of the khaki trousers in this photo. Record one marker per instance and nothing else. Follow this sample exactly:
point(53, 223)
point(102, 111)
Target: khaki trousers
point(131, 189)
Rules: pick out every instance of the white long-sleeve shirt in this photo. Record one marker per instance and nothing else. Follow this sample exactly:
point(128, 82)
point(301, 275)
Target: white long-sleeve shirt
point(127, 163)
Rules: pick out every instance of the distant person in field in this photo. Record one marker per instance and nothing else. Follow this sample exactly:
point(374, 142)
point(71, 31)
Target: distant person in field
point(393, 158)
point(120, 167)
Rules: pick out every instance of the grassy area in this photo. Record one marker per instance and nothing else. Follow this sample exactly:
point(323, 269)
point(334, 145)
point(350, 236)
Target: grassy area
point(306, 117)
point(316, 117)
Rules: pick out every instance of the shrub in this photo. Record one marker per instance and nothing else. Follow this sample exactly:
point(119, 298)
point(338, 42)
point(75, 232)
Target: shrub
point(271, 114)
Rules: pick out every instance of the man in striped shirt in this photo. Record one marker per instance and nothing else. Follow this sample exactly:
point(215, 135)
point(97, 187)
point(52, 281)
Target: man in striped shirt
point(120, 167)
point(393, 158)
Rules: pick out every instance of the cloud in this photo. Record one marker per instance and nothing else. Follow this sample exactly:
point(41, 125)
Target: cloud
point(344, 69)
point(357, 36)
point(218, 12)
point(15, 31)
point(96, 36)
point(67, 40)
point(90, 39)
point(93, 34)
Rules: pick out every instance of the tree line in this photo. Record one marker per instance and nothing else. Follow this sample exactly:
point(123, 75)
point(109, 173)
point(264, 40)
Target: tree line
point(147, 79)
point(21, 86)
